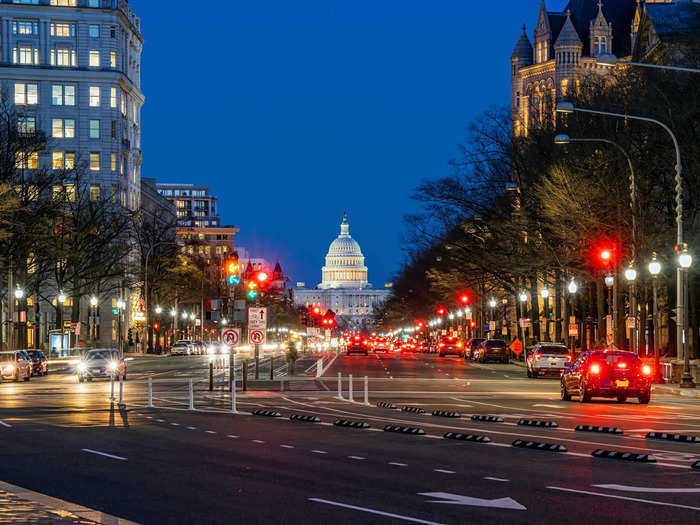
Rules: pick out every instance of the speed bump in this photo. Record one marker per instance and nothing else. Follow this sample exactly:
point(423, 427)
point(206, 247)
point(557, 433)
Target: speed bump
point(446, 413)
point(404, 430)
point(490, 419)
point(605, 430)
point(417, 410)
point(266, 413)
point(550, 447)
point(351, 424)
point(306, 418)
point(625, 456)
point(467, 437)
point(683, 438)
point(384, 404)
point(535, 423)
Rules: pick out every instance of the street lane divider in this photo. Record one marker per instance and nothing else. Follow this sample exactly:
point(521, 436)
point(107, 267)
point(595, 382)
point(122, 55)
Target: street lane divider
point(384, 404)
point(266, 413)
point(416, 410)
point(535, 423)
point(604, 430)
point(446, 413)
point(490, 419)
point(404, 430)
point(305, 418)
point(683, 438)
point(625, 456)
point(467, 437)
point(550, 447)
point(349, 423)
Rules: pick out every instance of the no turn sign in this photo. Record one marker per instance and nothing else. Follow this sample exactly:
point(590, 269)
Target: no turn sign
point(257, 337)
point(231, 336)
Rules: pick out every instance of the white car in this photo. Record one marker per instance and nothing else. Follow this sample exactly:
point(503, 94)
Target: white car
point(15, 365)
point(547, 358)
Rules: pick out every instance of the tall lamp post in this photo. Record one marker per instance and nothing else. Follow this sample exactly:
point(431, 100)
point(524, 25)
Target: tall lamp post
point(545, 295)
point(611, 328)
point(684, 262)
point(681, 303)
point(521, 329)
point(120, 307)
point(18, 338)
point(631, 276)
point(655, 270)
point(93, 318)
point(572, 289)
point(492, 305)
point(61, 300)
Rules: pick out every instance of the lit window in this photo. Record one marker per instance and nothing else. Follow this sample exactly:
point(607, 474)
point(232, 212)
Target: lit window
point(26, 94)
point(113, 97)
point(94, 58)
point(27, 160)
point(94, 31)
point(113, 59)
point(63, 57)
point(114, 193)
point(94, 192)
point(26, 55)
point(25, 27)
point(95, 161)
point(63, 128)
point(65, 3)
point(113, 162)
point(62, 29)
point(94, 96)
point(58, 159)
point(26, 125)
point(94, 129)
point(63, 95)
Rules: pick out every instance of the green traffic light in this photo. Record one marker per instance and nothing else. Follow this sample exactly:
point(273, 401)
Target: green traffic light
point(233, 280)
point(252, 294)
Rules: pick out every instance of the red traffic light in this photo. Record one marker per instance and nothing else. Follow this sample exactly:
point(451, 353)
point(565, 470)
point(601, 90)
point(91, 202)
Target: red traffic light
point(316, 310)
point(156, 326)
point(472, 324)
point(261, 277)
point(441, 311)
point(464, 299)
point(420, 324)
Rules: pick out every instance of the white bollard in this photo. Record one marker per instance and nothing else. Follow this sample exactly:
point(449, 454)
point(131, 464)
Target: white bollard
point(350, 398)
point(111, 395)
point(319, 368)
point(366, 403)
point(191, 407)
point(150, 392)
point(340, 386)
point(233, 398)
point(121, 392)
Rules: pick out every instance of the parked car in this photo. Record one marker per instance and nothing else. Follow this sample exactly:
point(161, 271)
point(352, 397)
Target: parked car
point(101, 362)
point(492, 350)
point(606, 373)
point(471, 346)
point(450, 345)
point(15, 365)
point(181, 348)
point(547, 358)
point(40, 365)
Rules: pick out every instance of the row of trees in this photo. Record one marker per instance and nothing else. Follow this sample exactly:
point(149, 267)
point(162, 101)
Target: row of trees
point(520, 212)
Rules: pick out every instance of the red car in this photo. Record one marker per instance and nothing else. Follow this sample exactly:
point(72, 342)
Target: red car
point(40, 365)
point(450, 345)
point(357, 345)
point(607, 374)
point(491, 349)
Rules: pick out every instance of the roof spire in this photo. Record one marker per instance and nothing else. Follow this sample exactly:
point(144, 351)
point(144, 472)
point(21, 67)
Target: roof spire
point(344, 226)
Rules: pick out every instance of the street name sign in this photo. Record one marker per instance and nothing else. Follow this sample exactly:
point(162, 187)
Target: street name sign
point(257, 318)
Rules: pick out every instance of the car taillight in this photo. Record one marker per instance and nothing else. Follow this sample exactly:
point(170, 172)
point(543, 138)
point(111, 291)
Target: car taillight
point(538, 357)
point(568, 358)
point(646, 370)
point(442, 345)
point(621, 364)
point(459, 345)
point(594, 369)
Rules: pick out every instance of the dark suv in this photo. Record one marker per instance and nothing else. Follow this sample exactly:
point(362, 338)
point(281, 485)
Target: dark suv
point(471, 346)
point(40, 365)
point(492, 350)
point(607, 374)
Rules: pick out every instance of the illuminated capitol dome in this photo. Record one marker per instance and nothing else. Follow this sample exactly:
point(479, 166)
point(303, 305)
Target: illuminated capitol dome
point(344, 287)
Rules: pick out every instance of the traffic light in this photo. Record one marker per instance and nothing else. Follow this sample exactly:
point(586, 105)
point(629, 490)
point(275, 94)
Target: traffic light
point(252, 290)
point(464, 299)
point(261, 277)
point(252, 294)
point(232, 268)
point(441, 311)
point(472, 324)
point(156, 326)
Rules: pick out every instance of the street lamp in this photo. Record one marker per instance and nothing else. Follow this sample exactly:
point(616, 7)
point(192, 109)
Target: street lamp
point(612, 60)
point(572, 289)
point(19, 293)
point(681, 299)
point(93, 317)
point(685, 260)
point(61, 299)
point(545, 295)
point(610, 282)
point(18, 340)
point(655, 270)
point(631, 276)
point(158, 310)
point(523, 297)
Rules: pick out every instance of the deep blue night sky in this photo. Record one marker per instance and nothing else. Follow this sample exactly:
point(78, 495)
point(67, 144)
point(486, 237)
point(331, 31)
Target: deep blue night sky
point(293, 111)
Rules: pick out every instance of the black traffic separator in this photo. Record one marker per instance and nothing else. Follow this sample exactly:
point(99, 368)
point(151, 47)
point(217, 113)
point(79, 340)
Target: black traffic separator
point(417, 410)
point(604, 430)
point(696, 465)
point(625, 456)
point(446, 413)
point(467, 437)
point(551, 447)
point(304, 417)
point(404, 430)
point(266, 413)
point(384, 404)
point(683, 438)
point(490, 419)
point(351, 424)
point(536, 423)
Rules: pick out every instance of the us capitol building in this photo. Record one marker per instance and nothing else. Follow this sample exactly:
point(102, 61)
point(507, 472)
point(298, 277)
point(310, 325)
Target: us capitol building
point(344, 287)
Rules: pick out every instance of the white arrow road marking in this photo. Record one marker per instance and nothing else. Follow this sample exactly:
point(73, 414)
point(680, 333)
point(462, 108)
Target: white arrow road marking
point(547, 406)
point(496, 479)
point(372, 511)
point(6, 425)
point(103, 454)
point(651, 502)
point(626, 488)
point(456, 499)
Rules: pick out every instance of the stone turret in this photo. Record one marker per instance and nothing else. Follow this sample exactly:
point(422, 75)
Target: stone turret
point(601, 34)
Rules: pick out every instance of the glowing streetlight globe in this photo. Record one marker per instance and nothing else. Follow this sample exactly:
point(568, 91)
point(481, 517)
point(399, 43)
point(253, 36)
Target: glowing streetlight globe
point(523, 297)
point(93, 301)
point(609, 281)
point(492, 303)
point(158, 309)
point(19, 293)
point(685, 259)
point(61, 297)
point(573, 287)
point(654, 266)
point(544, 293)
point(630, 274)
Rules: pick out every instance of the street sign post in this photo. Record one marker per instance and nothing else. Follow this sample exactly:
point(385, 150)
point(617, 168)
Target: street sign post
point(257, 318)
point(231, 336)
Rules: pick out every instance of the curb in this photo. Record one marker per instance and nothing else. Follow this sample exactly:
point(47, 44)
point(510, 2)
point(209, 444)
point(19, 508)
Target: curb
point(676, 391)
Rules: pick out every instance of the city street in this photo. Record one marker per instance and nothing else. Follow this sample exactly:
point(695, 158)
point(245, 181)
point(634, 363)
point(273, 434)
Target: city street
point(164, 464)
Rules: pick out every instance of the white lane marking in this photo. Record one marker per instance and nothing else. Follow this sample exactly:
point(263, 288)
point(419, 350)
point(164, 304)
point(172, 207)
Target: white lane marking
point(547, 406)
point(287, 446)
point(443, 471)
point(456, 499)
point(160, 420)
point(398, 464)
point(372, 511)
point(6, 425)
point(356, 457)
point(210, 432)
point(627, 488)
point(258, 441)
point(103, 454)
point(319, 452)
point(232, 437)
point(149, 417)
point(496, 479)
point(175, 424)
point(651, 502)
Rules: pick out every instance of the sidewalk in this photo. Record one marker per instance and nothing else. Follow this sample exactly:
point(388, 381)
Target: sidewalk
point(676, 390)
point(18, 505)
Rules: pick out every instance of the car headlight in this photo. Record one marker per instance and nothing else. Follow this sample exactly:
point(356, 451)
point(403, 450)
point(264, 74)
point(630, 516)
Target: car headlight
point(9, 369)
point(82, 367)
point(112, 366)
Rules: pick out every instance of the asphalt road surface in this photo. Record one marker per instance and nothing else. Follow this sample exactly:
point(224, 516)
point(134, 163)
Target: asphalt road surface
point(169, 464)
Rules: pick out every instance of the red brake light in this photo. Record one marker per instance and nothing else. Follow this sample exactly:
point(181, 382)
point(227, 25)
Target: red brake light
point(569, 358)
point(594, 369)
point(621, 364)
point(442, 345)
point(460, 345)
point(538, 357)
point(646, 370)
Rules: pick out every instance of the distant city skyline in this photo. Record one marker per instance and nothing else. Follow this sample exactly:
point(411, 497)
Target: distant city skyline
point(305, 110)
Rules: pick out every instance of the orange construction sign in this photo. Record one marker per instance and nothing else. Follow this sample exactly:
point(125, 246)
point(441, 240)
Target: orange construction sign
point(517, 347)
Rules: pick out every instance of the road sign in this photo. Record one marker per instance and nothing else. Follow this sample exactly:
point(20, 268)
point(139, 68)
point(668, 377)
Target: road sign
point(631, 323)
point(257, 337)
point(525, 322)
point(517, 347)
point(573, 330)
point(231, 336)
point(257, 318)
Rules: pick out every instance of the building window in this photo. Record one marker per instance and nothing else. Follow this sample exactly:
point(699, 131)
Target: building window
point(26, 55)
point(63, 57)
point(94, 161)
point(113, 162)
point(26, 125)
point(94, 129)
point(94, 31)
point(94, 192)
point(600, 45)
point(123, 103)
point(27, 160)
point(25, 27)
point(114, 193)
point(114, 129)
point(113, 32)
point(63, 160)
point(94, 96)
point(94, 58)
point(113, 97)
point(65, 3)
point(61, 29)
point(63, 95)
point(63, 128)
point(113, 59)
point(26, 94)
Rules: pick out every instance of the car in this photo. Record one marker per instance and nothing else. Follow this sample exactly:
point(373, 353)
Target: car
point(199, 348)
point(101, 362)
point(381, 345)
point(471, 346)
point(450, 345)
point(357, 345)
point(492, 349)
point(181, 348)
point(607, 373)
point(547, 358)
point(40, 365)
point(15, 365)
